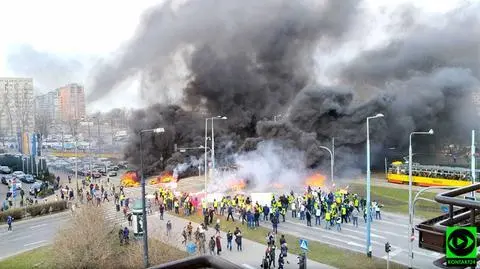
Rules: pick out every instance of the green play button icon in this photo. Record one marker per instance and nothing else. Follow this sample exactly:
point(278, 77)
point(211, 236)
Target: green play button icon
point(459, 241)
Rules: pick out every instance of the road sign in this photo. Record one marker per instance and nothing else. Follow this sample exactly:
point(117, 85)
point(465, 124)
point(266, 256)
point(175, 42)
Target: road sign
point(303, 244)
point(444, 208)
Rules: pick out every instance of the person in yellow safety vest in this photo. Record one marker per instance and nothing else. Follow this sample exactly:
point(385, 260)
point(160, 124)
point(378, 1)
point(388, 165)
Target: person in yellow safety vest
point(204, 206)
point(222, 207)
point(344, 213)
point(279, 204)
point(283, 212)
point(338, 199)
point(234, 204)
point(327, 220)
point(215, 206)
point(355, 202)
point(290, 199)
point(177, 207)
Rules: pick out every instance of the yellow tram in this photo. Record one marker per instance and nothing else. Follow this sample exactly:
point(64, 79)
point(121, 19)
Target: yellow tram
point(430, 175)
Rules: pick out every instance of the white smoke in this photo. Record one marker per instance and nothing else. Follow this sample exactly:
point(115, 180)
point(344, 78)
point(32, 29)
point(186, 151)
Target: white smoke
point(190, 162)
point(270, 164)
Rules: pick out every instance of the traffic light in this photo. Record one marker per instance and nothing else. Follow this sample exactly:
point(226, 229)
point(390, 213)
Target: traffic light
point(388, 248)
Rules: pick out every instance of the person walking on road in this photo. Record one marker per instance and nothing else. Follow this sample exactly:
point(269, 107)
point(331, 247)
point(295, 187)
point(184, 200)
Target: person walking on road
point(126, 233)
point(230, 213)
point(211, 246)
point(9, 222)
point(161, 210)
point(274, 220)
point(184, 235)
point(229, 240)
point(238, 238)
point(355, 214)
point(169, 228)
point(218, 243)
point(308, 217)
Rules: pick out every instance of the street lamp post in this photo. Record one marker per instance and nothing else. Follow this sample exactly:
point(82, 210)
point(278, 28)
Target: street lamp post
point(332, 162)
point(206, 156)
point(411, 232)
point(144, 209)
point(386, 162)
point(213, 140)
point(369, 244)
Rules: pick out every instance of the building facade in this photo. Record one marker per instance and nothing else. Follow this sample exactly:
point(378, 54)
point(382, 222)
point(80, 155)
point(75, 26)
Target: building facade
point(16, 106)
point(71, 100)
point(47, 106)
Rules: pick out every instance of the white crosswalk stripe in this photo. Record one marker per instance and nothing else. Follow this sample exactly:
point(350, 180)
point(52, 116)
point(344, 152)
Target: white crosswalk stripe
point(111, 215)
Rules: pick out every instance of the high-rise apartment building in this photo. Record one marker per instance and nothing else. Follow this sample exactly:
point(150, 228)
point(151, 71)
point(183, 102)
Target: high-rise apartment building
point(71, 102)
point(47, 106)
point(16, 106)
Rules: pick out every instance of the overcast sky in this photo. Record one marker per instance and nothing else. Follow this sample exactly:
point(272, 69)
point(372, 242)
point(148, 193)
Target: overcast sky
point(69, 36)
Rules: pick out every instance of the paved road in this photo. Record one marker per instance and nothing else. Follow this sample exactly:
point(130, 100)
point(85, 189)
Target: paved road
point(249, 258)
point(30, 234)
point(393, 228)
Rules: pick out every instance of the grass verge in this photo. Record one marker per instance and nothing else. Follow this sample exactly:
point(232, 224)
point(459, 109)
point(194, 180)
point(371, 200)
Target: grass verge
point(42, 257)
point(395, 200)
point(39, 258)
point(319, 252)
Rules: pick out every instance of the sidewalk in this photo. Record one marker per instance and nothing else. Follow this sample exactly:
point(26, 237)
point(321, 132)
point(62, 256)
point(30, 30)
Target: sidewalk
point(251, 256)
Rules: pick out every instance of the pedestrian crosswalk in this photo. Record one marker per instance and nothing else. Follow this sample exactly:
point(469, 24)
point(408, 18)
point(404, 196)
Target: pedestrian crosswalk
point(112, 216)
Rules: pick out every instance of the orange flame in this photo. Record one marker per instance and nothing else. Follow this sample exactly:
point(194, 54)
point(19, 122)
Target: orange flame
point(130, 179)
point(277, 186)
point(238, 185)
point(315, 180)
point(166, 177)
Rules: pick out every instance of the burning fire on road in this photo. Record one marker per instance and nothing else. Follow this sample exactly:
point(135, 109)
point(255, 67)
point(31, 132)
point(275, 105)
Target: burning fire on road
point(165, 177)
point(130, 179)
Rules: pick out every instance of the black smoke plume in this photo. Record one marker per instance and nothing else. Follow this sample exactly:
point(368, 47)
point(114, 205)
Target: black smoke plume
point(250, 60)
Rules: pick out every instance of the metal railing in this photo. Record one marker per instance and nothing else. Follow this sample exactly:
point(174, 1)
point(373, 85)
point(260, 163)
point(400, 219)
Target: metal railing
point(432, 231)
point(197, 262)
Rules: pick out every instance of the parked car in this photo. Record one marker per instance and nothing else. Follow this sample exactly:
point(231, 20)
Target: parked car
point(96, 174)
point(38, 185)
point(19, 175)
point(6, 179)
point(29, 179)
point(5, 170)
point(112, 173)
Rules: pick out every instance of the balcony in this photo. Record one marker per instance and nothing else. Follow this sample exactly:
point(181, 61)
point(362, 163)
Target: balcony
point(462, 212)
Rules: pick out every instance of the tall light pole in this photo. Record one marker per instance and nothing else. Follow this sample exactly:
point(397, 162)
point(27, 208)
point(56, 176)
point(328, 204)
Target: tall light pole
point(213, 140)
point(206, 156)
point(369, 244)
point(386, 162)
point(411, 232)
point(473, 164)
point(332, 162)
point(144, 209)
